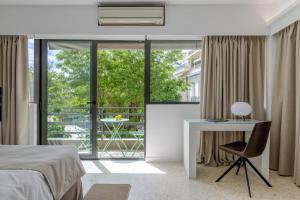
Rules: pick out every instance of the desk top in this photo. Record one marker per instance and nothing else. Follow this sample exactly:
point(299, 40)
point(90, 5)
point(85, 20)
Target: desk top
point(230, 121)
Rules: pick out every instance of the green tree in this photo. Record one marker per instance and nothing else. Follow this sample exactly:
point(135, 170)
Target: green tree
point(163, 86)
point(120, 78)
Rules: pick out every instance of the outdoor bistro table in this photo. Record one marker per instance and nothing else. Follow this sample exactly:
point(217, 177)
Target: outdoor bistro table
point(114, 126)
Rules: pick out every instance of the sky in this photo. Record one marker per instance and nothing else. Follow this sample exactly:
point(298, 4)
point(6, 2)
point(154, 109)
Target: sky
point(51, 54)
point(31, 52)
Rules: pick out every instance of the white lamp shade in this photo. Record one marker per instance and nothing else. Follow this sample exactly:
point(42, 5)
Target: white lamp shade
point(241, 109)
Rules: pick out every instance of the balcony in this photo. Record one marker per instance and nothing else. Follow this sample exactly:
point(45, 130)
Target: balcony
point(72, 126)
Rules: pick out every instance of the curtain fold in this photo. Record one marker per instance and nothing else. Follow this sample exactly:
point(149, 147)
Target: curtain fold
point(13, 80)
point(285, 139)
point(232, 70)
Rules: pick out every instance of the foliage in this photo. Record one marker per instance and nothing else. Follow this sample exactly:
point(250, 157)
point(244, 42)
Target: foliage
point(120, 78)
point(163, 86)
point(57, 131)
point(68, 80)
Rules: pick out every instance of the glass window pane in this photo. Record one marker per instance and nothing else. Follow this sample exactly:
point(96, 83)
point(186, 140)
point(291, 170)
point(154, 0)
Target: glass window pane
point(175, 71)
point(68, 87)
point(120, 104)
point(30, 71)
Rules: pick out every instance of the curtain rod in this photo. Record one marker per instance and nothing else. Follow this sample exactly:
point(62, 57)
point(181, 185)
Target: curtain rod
point(117, 37)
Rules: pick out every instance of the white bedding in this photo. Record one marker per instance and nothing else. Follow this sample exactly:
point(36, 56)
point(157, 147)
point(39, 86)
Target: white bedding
point(23, 185)
point(60, 166)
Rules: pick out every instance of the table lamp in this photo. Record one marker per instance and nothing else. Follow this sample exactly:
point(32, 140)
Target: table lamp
point(241, 109)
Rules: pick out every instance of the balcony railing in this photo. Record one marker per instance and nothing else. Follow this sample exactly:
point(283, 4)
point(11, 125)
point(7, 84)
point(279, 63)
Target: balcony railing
point(69, 122)
point(72, 126)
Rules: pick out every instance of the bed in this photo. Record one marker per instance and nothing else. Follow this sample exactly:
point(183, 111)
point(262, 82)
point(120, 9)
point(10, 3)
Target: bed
point(40, 172)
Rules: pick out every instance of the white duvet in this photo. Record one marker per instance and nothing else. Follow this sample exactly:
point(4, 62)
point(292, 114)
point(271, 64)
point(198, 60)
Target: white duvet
point(23, 185)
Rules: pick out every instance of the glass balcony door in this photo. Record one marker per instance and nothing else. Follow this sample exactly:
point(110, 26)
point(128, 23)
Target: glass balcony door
point(67, 98)
point(120, 100)
point(92, 97)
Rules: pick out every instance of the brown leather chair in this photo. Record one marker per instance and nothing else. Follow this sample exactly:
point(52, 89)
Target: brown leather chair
point(253, 148)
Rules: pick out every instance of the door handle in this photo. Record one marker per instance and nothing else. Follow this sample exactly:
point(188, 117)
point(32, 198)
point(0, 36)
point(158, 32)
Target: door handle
point(91, 102)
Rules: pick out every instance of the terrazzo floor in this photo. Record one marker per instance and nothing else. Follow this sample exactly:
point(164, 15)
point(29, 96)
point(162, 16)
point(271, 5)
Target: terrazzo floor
point(166, 181)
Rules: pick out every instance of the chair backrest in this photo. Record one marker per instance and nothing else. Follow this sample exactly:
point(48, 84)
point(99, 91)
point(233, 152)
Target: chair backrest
point(258, 139)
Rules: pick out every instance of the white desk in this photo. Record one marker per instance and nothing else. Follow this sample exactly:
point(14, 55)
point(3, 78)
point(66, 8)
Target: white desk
point(191, 138)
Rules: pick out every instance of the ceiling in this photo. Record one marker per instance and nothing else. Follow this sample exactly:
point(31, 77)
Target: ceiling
point(94, 2)
point(268, 9)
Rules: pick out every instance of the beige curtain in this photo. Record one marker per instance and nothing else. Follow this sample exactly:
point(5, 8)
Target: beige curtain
point(13, 80)
point(285, 131)
point(232, 70)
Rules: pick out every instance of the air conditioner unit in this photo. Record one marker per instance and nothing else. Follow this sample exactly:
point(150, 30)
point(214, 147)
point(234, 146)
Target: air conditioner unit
point(131, 15)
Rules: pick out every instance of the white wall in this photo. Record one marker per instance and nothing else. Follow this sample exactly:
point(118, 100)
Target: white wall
point(164, 126)
point(285, 19)
point(180, 20)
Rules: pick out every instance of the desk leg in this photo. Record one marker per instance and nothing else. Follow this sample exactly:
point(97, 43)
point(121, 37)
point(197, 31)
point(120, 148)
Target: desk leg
point(190, 140)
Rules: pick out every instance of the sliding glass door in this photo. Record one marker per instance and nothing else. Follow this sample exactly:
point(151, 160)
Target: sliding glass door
point(120, 102)
point(67, 95)
point(93, 97)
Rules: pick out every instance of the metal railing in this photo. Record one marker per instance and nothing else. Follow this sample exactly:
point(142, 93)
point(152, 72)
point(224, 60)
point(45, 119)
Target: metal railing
point(69, 122)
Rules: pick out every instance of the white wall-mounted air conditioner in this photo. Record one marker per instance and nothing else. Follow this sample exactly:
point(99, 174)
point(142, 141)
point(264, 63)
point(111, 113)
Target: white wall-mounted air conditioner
point(131, 15)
